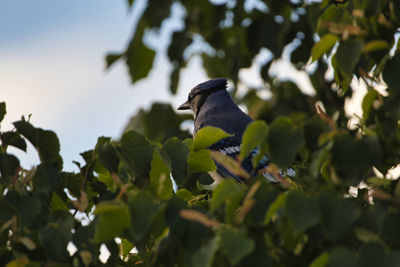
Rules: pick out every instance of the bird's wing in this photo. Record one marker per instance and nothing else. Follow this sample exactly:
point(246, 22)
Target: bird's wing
point(231, 147)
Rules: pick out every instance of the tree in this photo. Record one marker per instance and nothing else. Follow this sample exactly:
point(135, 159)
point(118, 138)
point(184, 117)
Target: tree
point(124, 187)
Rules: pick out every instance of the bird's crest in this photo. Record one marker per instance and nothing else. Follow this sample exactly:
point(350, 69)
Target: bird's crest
point(214, 84)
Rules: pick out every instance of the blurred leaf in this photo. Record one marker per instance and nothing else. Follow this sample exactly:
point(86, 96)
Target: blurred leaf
point(112, 58)
point(126, 247)
point(347, 56)
point(367, 102)
point(371, 255)
point(337, 214)
point(113, 219)
point(274, 208)
point(138, 153)
point(159, 123)
point(227, 191)
point(303, 211)
point(324, 45)
point(46, 142)
point(235, 245)
point(254, 136)
point(342, 257)
point(321, 261)
point(284, 139)
point(139, 58)
point(207, 136)
point(29, 208)
point(375, 45)
point(184, 195)
point(9, 165)
point(107, 154)
point(143, 210)
point(201, 161)
point(353, 157)
point(55, 236)
point(178, 153)
point(57, 203)
point(205, 255)
point(13, 139)
point(389, 229)
point(160, 181)
point(2, 110)
point(365, 235)
point(7, 211)
point(390, 73)
point(130, 2)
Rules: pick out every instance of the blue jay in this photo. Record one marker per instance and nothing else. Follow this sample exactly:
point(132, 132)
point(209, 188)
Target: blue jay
point(213, 106)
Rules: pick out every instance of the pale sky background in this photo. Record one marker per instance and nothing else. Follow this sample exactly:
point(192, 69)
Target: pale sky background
point(52, 66)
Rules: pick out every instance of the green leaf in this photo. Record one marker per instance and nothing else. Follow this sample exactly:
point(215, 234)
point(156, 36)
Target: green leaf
point(28, 207)
point(342, 257)
point(13, 139)
point(112, 58)
point(389, 229)
point(254, 135)
point(184, 194)
point(226, 191)
point(207, 136)
point(347, 56)
point(45, 141)
point(139, 58)
point(371, 255)
point(366, 236)
point(352, 157)
point(138, 153)
point(321, 261)
point(236, 245)
point(126, 247)
point(337, 213)
point(177, 152)
point(9, 165)
point(278, 204)
point(374, 46)
point(391, 74)
point(7, 211)
point(160, 181)
point(48, 146)
point(2, 110)
point(205, 255)
point(130, 2)
point(284, 139)
point(148, 123)
point(55, 236)
point(143, 209)
point(367, 102)
point(113, 218)
point(302, 210)
point(324, 44)
point(57, 203)
point(201, 161)
point(107, 154)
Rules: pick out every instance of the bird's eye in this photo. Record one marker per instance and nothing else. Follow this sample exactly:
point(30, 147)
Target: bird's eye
point(190, 97)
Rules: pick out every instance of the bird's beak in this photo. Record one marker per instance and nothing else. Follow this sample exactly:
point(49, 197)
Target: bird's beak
point(184, 106)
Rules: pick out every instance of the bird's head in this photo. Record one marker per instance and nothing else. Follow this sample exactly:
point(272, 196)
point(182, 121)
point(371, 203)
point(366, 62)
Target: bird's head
point(199, 93)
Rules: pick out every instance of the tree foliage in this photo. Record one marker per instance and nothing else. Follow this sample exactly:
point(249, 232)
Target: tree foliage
point(123, 189)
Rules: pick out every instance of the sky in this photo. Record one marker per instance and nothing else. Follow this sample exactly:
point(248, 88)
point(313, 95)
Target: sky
point(52, 66)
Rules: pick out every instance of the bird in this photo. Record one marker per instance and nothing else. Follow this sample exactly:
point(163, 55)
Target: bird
point(212, 105)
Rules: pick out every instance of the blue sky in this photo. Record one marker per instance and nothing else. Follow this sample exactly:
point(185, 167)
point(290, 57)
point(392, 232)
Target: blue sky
point(52, 66)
